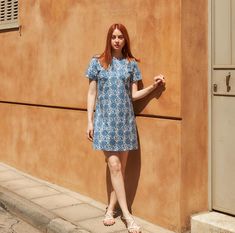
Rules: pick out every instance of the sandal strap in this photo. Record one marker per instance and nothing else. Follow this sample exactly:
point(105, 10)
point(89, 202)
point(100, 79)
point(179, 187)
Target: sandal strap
point(109, 215)
point(131, 224)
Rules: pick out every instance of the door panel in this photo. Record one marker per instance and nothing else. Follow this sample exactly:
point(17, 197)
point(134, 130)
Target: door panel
point(223, 106)
point(222, 28)
point(223, 151)
point(233, 32)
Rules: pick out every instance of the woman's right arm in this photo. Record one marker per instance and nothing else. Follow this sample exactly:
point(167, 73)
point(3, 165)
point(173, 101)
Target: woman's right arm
point(91, 99)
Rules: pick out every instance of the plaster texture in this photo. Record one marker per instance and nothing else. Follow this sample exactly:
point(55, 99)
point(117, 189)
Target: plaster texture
point(58, 38)
point(194, 109)
point(43, 101)
point(151, 170)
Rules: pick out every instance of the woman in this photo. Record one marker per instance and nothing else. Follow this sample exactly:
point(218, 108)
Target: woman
point(113, 85)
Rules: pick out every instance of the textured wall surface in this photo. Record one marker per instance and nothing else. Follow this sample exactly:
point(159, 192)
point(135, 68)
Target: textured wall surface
point(60, 37)
point(44, 66)
point(50, 143)
point(194, 152)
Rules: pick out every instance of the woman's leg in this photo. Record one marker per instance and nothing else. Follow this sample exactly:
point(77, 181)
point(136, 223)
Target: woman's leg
point(113, 197)
point(114, 163)
point(115, 168)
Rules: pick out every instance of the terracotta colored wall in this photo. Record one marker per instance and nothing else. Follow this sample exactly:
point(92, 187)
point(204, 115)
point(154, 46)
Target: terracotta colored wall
point(194, 154)
point(45, 65)
point(50, 144)
point(60, 37)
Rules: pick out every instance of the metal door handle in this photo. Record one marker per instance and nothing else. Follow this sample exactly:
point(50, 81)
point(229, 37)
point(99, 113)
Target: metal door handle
point(227, 81)
point(215, 87)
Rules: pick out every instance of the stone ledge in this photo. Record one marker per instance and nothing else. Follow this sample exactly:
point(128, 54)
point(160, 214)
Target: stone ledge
point(212, 222)
point(34, 214)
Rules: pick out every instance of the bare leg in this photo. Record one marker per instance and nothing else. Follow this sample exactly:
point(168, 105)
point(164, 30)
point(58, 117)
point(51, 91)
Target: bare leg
point(113, 197)
point(114, 163)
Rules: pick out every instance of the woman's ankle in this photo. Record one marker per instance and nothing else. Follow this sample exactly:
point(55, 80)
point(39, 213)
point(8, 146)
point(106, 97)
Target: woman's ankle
point(110, 208)
point(126, 214)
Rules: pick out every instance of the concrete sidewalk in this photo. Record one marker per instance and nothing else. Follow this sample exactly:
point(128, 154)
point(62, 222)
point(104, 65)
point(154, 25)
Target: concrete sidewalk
point(54, 209)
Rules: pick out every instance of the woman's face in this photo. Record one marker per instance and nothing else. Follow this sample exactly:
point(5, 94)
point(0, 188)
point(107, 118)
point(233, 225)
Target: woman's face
point(117, 40)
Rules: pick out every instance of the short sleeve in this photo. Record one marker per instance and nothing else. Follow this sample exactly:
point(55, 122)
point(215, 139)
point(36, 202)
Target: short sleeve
point(92, 70)
point(136, 74)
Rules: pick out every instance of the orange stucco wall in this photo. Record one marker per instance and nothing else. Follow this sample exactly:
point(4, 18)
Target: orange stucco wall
point(44, 67)
point(194, 108)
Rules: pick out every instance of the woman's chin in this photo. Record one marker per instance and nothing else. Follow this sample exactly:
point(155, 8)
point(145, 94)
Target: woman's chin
point(117, 49)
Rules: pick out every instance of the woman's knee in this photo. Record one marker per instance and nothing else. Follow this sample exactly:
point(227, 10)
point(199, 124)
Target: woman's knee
point(115, 166)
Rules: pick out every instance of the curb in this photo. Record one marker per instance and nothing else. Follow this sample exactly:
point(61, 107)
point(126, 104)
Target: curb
point(34, 214)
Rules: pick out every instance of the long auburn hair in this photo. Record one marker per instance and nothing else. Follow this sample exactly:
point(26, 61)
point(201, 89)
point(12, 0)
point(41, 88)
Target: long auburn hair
point(106, 57)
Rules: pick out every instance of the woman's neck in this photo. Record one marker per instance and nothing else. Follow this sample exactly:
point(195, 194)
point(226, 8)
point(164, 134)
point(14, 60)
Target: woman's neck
point(117, 54)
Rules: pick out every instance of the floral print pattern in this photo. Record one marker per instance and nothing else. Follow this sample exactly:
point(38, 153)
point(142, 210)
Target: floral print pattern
point(114, 120)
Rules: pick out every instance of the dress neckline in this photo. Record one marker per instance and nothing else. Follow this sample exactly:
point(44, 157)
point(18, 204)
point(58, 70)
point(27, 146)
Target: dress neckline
point(119, 59)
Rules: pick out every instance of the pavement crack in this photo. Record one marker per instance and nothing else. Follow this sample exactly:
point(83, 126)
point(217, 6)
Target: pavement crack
point(3, 206)
point(11, 227)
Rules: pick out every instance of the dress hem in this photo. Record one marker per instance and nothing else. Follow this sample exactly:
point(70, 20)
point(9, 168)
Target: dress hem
point(115, 150)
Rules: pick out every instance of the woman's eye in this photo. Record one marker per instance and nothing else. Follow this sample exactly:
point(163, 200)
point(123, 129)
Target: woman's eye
point(119, 37)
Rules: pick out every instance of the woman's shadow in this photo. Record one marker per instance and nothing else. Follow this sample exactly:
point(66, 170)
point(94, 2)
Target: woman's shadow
point(133, 166)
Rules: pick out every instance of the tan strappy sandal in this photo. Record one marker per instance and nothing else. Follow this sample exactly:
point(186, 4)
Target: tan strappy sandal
point(131, 224)
point(109, 218)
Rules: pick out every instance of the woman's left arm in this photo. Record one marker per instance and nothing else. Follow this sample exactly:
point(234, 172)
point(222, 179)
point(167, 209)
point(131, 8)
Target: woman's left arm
point(139, 94)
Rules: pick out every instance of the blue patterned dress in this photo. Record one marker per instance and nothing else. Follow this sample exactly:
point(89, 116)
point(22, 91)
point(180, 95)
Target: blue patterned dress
point(114, 120)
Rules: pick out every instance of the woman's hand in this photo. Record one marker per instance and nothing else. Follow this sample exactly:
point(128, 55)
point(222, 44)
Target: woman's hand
point(90, 131)
point(159, 80)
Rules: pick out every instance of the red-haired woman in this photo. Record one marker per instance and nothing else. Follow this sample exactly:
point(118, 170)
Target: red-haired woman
point(113, 78)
